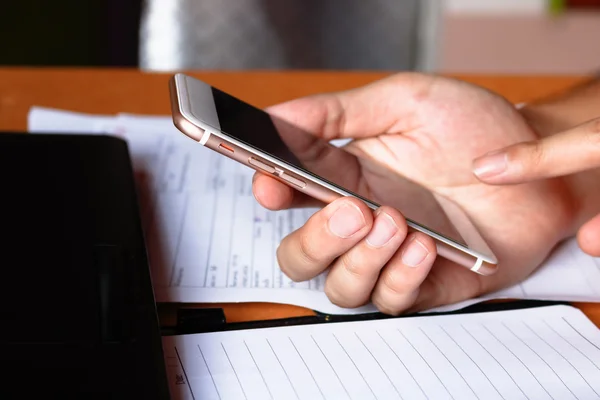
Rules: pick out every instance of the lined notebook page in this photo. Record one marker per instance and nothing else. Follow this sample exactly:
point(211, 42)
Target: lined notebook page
point(543, 353)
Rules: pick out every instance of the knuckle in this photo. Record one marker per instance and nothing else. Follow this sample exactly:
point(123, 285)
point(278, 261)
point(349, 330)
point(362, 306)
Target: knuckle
point(308, 251)
point(289, 272)
point(355, 265)
point(395, 305)
point(386, 308)
point(346, 296)
point(395, 281)
point(532, 153)
point(334, 295)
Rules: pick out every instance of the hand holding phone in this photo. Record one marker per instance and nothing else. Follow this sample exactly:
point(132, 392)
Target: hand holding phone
point(315, 167)
point(415, 137)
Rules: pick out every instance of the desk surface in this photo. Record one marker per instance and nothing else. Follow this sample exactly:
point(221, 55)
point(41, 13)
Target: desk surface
point(109, 91)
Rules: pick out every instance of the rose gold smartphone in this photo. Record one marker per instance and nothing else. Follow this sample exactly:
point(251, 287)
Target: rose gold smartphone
point(310, 165)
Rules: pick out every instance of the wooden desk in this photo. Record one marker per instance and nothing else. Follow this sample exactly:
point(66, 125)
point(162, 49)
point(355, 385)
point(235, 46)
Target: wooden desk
point(113, 91)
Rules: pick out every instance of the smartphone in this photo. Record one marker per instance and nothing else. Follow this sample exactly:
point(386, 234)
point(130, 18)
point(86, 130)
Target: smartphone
point(313, 166)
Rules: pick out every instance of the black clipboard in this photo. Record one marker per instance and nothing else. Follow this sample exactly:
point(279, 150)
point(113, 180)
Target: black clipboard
point(192, 320)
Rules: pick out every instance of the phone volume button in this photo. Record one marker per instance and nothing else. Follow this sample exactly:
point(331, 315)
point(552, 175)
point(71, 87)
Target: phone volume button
point(261, 165)
point(293, 180)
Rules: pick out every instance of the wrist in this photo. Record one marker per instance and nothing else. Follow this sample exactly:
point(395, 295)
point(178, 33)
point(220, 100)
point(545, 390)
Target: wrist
point(565, 110)
point(547, 119)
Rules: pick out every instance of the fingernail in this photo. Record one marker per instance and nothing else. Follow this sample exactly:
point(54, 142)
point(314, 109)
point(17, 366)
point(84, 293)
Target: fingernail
point(383, 230)
point(346, 221)
point(490, 165)
point(415, 253)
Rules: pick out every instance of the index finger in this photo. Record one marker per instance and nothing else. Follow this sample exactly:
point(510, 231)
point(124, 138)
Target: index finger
point(564, 153)
point(275, 195)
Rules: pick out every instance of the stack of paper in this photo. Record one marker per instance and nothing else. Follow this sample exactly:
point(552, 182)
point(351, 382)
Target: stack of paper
point(210, 241)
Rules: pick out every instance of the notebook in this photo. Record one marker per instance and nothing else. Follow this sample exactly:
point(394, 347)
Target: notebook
point(194, 260)
point(550, 352)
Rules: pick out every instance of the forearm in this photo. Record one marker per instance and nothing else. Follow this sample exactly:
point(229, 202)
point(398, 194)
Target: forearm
point(578, 105)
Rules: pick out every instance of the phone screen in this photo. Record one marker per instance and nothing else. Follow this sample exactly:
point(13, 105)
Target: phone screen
point(255, 127)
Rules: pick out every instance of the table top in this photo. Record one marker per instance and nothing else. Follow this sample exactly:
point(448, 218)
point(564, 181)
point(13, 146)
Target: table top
point(109, 91)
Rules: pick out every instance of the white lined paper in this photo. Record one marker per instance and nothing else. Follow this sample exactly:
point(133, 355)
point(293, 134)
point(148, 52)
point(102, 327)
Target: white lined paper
point(194, 259)
point(543, 353)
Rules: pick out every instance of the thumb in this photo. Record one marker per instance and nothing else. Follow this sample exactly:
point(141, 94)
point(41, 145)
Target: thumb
point(362, 112)
point(588, 237)
point(564, 153)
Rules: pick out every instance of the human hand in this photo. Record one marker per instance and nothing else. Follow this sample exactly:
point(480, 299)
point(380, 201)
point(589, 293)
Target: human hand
point(572, 151)
point(428, 130)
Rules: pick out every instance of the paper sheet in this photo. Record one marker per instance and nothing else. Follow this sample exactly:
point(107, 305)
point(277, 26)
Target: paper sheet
point(544, 353)
point(184, 186)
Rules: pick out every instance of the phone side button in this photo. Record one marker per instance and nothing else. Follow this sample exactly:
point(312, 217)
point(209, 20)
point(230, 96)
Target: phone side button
point(224, 147)
point(261, 165)
point(292, 180)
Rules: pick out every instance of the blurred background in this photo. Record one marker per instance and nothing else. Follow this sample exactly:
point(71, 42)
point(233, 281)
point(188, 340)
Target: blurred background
point(444, 36)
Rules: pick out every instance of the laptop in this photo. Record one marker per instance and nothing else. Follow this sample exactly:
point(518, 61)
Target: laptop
point(77, 312)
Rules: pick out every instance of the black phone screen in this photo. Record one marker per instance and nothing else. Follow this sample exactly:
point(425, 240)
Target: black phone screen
point(255, 127)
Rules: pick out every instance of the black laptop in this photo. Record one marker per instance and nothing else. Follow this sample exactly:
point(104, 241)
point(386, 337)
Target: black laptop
point(78, 318)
